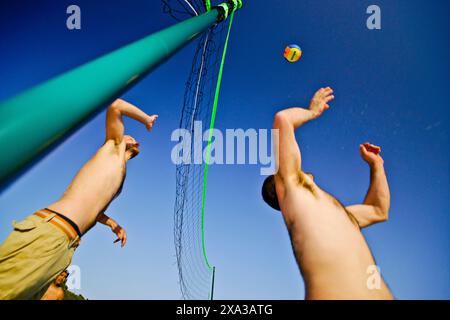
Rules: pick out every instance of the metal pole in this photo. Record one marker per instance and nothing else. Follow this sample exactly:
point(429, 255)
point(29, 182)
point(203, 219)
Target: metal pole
point(212, 285)
point(34, 120)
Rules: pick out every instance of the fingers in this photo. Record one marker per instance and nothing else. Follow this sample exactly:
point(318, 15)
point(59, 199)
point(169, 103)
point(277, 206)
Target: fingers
point(149, 124)
point(372, 145)
point(121, 236)
point(328, 98)
point(325, 91)
point(362, 148)
point(124, 239)
point(370, 148)
point(325, 94)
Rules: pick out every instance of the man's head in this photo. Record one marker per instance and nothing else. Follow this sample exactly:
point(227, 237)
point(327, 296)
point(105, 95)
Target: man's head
point(269, 193)
point(61, 278)
point(132, 148)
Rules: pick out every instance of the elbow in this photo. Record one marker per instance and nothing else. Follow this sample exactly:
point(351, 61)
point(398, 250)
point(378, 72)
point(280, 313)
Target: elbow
point(383, 214)
point(116, 105)
point(280, 119)
point(385, 210)
point(384, 218)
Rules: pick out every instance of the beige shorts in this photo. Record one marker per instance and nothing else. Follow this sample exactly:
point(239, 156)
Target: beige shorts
point(32, 256)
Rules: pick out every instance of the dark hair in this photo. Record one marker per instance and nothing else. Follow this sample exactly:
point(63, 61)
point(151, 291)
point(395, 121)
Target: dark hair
point(269, 193)
point(134, 152)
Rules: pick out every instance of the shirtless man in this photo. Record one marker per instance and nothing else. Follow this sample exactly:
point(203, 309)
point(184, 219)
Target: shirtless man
point(55, 290)
point(330, 249)
point(41, 246)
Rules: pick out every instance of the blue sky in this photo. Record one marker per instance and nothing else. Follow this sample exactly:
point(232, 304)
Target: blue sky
point(391, 88)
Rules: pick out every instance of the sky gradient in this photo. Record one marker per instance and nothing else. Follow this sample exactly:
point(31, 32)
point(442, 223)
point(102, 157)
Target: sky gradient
point(391, 88)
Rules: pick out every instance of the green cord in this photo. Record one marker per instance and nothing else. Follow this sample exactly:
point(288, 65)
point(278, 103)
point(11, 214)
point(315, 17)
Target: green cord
point(208, 148)
point(208, 5)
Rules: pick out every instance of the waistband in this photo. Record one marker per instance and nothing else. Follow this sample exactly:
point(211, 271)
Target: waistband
point(62, 222)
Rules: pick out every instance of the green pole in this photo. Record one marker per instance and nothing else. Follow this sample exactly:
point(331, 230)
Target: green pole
point(35, 119)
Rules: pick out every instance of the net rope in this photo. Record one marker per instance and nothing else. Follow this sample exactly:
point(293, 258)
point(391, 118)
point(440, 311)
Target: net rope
point(201, 94)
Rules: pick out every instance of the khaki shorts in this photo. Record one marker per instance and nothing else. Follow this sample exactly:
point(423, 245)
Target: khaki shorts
point(32, 256)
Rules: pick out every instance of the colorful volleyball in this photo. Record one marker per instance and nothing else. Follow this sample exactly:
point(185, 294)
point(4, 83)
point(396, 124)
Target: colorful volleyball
point(292, 53)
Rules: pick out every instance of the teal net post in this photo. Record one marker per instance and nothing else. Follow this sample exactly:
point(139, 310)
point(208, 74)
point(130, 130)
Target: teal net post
point(35, 119)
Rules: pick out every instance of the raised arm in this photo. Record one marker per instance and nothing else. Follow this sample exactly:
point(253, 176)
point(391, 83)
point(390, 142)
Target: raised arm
point(287, 121)
point(114, 122)
point(377, 201)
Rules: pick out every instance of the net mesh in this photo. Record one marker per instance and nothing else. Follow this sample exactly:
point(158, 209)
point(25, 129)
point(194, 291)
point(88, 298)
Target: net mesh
point(195, 275)
point(182, 9)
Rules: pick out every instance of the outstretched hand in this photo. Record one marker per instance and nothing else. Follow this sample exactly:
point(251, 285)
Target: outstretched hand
point(150, 122)
point(370, 153)
point(320, 100)
point(120, 233)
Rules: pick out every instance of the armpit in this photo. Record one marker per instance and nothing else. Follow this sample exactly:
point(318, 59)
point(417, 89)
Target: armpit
point(352, 218)
point(307, 183)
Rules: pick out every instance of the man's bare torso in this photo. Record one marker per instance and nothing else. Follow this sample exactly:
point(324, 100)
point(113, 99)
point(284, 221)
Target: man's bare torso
point(330, 249)
point(53, 293)
point(94, 186)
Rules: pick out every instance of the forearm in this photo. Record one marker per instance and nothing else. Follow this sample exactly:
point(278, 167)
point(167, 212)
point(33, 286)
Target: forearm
point(129, 110)
point(286, 122)
point(107, 221)
point(378, 194)
point(296, 117)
